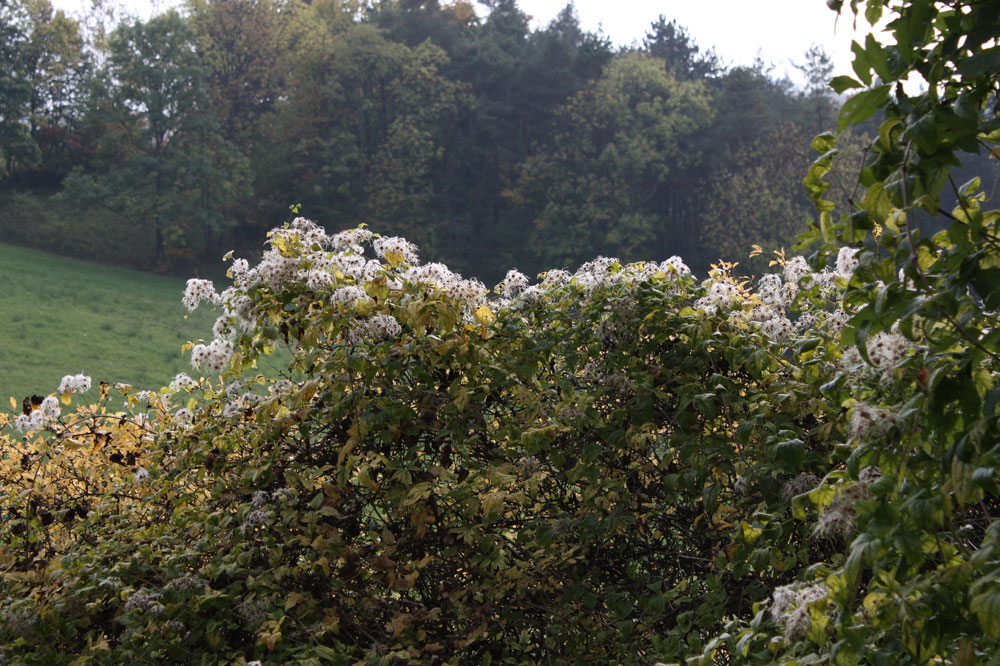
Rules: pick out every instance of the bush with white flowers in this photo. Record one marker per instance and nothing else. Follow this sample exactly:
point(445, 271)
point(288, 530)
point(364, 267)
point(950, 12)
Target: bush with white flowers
point(607, 466)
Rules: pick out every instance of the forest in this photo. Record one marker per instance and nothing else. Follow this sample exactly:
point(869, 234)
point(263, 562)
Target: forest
point(161, 144)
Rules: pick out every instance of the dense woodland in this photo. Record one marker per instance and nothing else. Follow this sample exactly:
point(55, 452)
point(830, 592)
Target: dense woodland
point(164, 143)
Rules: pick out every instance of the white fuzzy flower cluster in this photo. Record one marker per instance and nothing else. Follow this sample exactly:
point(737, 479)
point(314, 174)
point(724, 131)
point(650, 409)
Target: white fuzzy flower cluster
point(145, 396)
point(675, 266)
point(311, 235)
point(797, 485)
point(294, 251)
point(839, 516)
point(182, 383)
point(795, 269)
point(197, 291)
point(722, 294)
point(556, 277)
point(39, 418)
point(388, 247)
point(141, 475)
point(836, 321)
point(513, 284)
point(276, 270)
point(238, 310)
point(777, 329)
point(887, 350)
point(254, 519)
point(186, 583)
point(183, 417)
point(798, 274)
point(772, 291)
point(144, 602)
point(846, 261)
point(352, 240)
point(790, 606)
point(433, 274)
point(806, 321)
point(608, 272)
point(50, 408)
point(302, 253)
point(348, 297)
point(238, 401)
point(471, 292)
point(380, 327)
point(74, 384)
point(868, 421)
point(215, 355)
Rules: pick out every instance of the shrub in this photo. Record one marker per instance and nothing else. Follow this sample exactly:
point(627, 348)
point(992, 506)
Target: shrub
point(553, 474)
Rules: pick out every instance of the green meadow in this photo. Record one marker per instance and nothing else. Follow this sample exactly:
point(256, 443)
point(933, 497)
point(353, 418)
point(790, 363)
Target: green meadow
point(62, 316)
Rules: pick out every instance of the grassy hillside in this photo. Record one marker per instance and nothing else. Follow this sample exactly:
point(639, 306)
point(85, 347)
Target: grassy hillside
point(62, 316)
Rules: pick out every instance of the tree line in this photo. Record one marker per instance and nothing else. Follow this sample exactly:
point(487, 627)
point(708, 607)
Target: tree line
point(165, 142)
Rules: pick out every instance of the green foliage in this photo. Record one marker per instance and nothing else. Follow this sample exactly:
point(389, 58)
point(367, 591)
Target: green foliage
point(551, 476)
point(197, 129)
point(917, 582)
point(172, 171)
point(763, 185)
point(598, 187)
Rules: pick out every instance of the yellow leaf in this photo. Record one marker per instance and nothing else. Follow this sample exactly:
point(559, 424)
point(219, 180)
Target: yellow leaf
point(493, 502)
point(394, 258)
point(13, 403)
point(484, 315)
point(64, 396)
point(294, 599)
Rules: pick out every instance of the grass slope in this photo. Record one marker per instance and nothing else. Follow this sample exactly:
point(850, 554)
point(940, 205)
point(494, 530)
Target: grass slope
point(62, 316)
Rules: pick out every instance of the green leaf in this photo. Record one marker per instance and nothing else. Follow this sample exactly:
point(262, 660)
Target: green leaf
point(826, 226)
point(984, 62)
point(862, 106)
point(986, 604)
point(842, 83)
point(860, 65)
point(877, 57)
point(873, 12)
point(824, 143)
point(885, 132)
point(987, 284)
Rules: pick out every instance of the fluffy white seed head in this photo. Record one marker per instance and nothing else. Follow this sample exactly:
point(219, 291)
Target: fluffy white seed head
point(198, 291)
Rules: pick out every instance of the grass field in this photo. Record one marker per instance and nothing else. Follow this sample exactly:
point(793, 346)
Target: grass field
point(62, 316)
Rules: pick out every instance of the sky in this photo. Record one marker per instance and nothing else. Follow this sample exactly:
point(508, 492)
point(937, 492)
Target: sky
point(779, 30)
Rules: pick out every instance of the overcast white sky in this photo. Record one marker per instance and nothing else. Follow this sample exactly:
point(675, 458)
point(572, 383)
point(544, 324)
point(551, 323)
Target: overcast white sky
point(780, 30)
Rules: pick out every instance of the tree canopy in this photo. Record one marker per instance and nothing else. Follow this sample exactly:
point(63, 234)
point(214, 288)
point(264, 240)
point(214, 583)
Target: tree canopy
point(189, 132)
